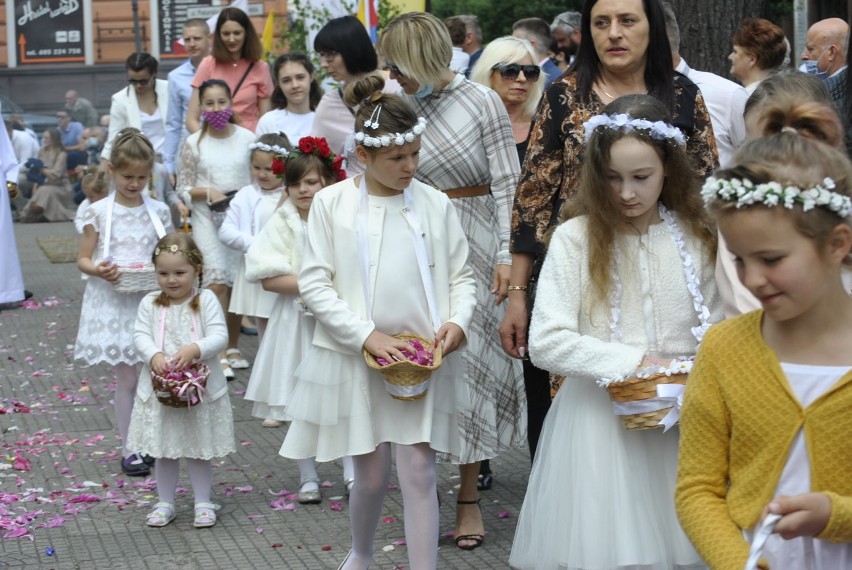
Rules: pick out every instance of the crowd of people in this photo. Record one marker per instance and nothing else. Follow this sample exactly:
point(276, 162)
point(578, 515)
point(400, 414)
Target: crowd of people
point(557, 212)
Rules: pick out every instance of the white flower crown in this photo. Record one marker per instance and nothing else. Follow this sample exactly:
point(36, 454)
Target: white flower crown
point(745, 193)
point(659, 130)
point(398, 139)
point(273, 148)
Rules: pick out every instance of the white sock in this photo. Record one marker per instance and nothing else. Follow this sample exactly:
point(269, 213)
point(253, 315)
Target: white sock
point(201, 476)
point(348, 468)
point(307, 472)
point(126, 378)
point(372, 473)
point(167, 471)
point(415, 467)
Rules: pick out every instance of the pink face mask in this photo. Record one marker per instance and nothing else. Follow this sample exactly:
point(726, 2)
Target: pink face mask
point(217, 119)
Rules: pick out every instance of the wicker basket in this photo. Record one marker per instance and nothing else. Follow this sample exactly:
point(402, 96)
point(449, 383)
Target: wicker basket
point(406, 376)
point(639, 389)
point(138, 278)
point(168, 391)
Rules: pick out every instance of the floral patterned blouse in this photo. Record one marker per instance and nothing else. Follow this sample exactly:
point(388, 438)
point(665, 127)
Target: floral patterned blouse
point(551, 170)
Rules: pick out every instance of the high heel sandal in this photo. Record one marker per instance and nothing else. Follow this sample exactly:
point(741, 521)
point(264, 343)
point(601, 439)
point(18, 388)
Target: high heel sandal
point(476, 539)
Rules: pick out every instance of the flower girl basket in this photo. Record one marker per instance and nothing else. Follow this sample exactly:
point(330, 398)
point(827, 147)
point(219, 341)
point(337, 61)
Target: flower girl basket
point(180, 388)
point(650, 398)
point(136, 276)
point(407, 380)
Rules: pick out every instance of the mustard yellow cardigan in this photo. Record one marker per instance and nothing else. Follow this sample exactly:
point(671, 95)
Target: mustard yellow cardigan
point(738, 422)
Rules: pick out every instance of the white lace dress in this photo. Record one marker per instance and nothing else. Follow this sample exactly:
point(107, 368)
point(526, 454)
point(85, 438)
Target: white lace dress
point(105, 333)
point(205, 430)
point(216, 163)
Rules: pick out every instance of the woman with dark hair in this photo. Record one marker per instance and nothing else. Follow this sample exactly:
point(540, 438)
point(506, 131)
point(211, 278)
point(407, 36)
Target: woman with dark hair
point(143, 104)
point(295, 98)
point(346, 53)
point(237, 59)
point(627, 52)
point(759, 50)
point(52, 199)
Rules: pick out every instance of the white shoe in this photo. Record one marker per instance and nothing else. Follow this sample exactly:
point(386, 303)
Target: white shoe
point(269, 422)
point(227, 370)
point(236, 359)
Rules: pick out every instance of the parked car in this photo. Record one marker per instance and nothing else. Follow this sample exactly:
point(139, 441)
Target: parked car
point(38, 123)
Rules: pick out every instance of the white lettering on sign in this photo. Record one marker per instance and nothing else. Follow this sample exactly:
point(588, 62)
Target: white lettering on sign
point(30, 15)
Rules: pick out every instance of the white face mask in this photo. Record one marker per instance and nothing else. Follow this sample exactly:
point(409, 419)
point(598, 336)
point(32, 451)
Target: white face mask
point(812, 67)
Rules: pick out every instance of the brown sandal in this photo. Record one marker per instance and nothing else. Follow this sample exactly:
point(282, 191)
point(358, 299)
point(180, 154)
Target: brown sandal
point(476, 539)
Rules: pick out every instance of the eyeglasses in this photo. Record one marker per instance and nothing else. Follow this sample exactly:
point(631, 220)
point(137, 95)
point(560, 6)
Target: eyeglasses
point(60, 117)
point(139, 82)
point(511, 71)
point(327, 55)
point(394, 69)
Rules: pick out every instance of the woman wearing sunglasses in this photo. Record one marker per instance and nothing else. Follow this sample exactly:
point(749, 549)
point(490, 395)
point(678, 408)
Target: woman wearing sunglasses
point(468, 152)
point(143, 104)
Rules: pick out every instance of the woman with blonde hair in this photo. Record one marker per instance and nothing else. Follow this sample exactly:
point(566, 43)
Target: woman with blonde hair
point(506, 66)
point(52, 199)
point(468, 152)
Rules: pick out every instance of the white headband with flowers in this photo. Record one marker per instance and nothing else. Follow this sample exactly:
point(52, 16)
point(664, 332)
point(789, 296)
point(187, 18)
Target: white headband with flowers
point(398, 139)
point(273, 148)
point(746, 193)
point(659, 130)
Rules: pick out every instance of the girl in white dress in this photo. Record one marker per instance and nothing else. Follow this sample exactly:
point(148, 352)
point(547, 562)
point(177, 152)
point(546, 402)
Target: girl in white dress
point(274, 259)
point(295, 98)
point(627, 279)
point(175, 327)
point(385, 254)
point(765, 418)
point(215, 161)
point(119, 230)
point(247, 214)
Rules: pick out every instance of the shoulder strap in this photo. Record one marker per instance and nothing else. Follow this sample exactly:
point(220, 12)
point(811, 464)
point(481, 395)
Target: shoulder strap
point(340, 92)
point(684, 114)
point(243, 78)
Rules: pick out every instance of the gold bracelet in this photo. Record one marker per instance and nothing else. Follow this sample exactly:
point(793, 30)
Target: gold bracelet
point(517, 287)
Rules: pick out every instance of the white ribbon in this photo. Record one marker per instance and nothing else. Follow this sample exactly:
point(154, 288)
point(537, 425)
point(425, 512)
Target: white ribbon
point(668, 396)
point(671, 393)
point(407, 392)
point(759, 540)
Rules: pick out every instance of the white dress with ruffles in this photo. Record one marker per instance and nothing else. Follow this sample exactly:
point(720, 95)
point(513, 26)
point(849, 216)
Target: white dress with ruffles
point(205, 430)
point(105, 333)
point(340, 407)
point(278, 251)
point(601, 497)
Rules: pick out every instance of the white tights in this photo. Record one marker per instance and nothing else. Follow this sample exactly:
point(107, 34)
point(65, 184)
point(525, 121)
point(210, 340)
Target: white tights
point(126, 377)
point(415, 466)
point(200, 476)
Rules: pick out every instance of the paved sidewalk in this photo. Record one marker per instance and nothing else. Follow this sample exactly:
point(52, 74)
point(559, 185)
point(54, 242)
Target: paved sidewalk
point(74, 509)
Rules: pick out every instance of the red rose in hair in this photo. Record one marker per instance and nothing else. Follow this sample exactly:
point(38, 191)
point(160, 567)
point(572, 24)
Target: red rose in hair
point(308, 145)
point(341, 175)
point(337, 163)
point(322, 148)
point(277, 167)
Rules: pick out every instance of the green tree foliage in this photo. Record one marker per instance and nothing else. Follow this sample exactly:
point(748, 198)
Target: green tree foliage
point(497, 16)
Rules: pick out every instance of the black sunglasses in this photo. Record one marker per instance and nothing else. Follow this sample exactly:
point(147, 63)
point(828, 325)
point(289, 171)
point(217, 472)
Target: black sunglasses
point(394, 69)
point(140, 82)
point(511, 71)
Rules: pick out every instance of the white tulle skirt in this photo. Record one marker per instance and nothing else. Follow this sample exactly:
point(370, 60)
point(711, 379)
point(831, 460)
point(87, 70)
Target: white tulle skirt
point(286, 341)
point(340, 407)
point(600, 497)
point(250, 299)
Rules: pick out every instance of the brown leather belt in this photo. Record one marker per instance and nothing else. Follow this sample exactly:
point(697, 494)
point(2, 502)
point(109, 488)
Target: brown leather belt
point(467, 191)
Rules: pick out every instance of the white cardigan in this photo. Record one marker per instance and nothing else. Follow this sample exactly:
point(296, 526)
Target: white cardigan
point(569, 331)
point(277, 249)
point(241, 221)
point(330, 280)
point(124, 111)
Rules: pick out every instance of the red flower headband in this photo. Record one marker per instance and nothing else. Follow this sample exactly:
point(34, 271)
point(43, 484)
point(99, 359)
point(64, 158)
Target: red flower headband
point(311, 145)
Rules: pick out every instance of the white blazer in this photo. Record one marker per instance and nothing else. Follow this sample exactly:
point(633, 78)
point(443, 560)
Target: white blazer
point(330, 279)
point(124, 111)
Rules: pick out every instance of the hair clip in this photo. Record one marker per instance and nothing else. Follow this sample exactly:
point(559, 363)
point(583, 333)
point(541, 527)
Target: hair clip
point(373, 121)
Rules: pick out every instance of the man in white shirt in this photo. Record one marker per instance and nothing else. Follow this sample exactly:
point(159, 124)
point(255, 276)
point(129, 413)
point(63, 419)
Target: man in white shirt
point(725, 99)
point(461, 60)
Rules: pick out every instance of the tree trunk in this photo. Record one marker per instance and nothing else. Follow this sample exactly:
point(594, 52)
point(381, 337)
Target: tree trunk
point(706, 29)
